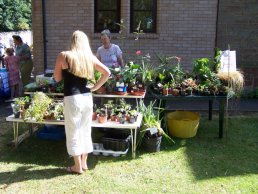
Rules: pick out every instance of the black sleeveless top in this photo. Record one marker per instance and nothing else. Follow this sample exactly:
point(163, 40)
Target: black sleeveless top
point(73, 84)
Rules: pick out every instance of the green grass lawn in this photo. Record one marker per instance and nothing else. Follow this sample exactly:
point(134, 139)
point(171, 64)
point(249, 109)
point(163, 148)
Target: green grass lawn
point(203, 164)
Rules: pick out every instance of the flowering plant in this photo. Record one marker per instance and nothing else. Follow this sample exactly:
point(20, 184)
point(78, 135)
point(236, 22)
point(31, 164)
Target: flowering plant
point(146, 69)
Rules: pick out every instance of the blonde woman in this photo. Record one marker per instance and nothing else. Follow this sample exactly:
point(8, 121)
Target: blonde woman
point(76, 66)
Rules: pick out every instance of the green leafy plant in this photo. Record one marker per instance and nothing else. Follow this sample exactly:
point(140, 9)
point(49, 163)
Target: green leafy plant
point(150, 120)
point(39, 107)
point(22, 101)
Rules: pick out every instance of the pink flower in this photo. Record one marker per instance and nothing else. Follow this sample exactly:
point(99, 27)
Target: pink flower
point(138, 52)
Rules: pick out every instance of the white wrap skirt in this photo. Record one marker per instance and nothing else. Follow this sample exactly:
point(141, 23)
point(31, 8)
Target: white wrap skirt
point(78, 116)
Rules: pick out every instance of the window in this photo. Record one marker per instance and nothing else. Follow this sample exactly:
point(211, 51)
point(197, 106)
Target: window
point(107, 14)
point(143, 14)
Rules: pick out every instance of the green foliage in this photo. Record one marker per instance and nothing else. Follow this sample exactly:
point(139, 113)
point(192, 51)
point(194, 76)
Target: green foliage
point(150, 120)
point(60, 87)
point(170, 69)
point(15, 15)
point(39, 106)
point(203, 164)
point(22, 101)
point(217, 63)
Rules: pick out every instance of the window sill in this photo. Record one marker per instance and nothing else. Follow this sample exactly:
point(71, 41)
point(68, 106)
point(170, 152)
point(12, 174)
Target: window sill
point(129, 36)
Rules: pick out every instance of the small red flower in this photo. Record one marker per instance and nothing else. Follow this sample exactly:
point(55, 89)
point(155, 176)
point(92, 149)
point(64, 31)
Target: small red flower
point(138, 52)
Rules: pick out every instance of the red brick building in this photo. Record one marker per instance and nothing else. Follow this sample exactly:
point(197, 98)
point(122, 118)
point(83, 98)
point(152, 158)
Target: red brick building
point(186, 28)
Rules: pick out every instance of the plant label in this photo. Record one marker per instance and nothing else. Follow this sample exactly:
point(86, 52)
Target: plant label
point(228, 61)
point(153, 130)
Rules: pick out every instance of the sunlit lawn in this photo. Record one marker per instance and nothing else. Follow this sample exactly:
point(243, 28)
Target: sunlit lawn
point(203, 164)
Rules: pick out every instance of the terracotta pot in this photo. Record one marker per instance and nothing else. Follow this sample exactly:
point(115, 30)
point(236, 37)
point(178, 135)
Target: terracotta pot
point(94, 116)
point(165, 92)
point(101, 90)
point(113, 118)
point(127, 118)
point(102, 119)
point(175, 92)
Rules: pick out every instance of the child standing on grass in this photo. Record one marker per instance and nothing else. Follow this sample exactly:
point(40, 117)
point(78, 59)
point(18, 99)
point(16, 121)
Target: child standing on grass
point(12, 66)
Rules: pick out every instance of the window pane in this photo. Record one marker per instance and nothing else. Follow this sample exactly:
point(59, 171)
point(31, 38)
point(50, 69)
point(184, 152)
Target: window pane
point(143, 4)
point(107, 14)
point(107, 4)
point(107, 19)
point(144, 12)
point(146, 20)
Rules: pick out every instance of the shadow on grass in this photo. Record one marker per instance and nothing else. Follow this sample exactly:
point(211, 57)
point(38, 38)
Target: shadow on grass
point(235, 154)
point(28, 173)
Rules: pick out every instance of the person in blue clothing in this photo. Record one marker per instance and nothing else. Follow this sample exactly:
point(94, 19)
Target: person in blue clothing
point(76, 66)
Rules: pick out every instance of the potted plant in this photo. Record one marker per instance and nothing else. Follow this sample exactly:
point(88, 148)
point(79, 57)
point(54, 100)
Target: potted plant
point(121, 118)
point(165, 89)
point(113, 116)
point(20, 104)
point(16, 110)
point(189, 90)
point(151, 133)
point(110, 107)
point(40, 105)
point(102, 117)
point(175, 91)
point(133, 115)
point(55, 112)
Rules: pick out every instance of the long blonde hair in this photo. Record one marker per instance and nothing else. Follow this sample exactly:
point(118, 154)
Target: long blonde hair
point(80, 57)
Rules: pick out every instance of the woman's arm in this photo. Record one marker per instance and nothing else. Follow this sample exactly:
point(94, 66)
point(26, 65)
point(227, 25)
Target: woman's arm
point(58, 67)
point(119, 56)
point(105, 74)
point(120, 61)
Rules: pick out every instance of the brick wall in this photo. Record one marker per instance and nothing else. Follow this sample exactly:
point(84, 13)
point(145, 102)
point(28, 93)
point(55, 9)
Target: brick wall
point(185, 28)
point(37, 28)
point(238, 26)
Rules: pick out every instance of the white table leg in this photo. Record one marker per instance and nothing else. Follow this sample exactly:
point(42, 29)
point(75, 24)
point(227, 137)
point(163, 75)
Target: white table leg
point(132, 142)
point(133, 134)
